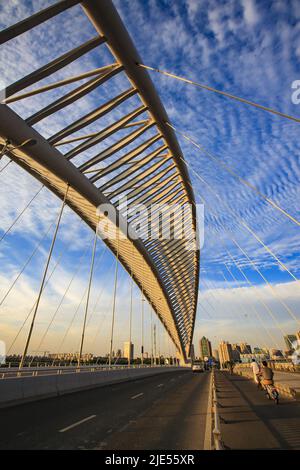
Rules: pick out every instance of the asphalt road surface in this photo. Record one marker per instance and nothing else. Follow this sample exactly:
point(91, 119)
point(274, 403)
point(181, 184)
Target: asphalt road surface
point(166, 411)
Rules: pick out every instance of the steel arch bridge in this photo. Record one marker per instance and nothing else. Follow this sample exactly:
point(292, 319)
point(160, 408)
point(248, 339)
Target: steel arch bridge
point(144, 162)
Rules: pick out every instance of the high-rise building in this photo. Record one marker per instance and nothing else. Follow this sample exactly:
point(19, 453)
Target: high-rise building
point(225, 352)
point(258, 350)
point(216, 354)
point(245, 348)
point(235, 354)
point(275, 353)
point(289, 340)
point(236, 347)
point(205, 348)
point(192, 353)
point(298, 335)
point(128, 350)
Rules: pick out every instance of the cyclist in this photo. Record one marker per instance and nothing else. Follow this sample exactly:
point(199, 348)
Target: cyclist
point(267, 374)
point(267, 380)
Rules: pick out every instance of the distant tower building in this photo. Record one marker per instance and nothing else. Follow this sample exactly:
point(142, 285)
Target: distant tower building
point(225, 352)
point(289, 340)
point(258, 350)
point(128, 350)
point(245, 348)
point(216, 354)
point(275, 353)
point(237, 347)
point(192, 353)
point(205, 348)
point(236, 352)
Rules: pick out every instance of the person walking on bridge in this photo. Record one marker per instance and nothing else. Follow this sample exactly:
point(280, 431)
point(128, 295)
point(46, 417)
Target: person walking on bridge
point(256, 371)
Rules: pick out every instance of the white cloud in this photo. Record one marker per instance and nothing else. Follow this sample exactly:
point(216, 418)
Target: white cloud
point(250, 13)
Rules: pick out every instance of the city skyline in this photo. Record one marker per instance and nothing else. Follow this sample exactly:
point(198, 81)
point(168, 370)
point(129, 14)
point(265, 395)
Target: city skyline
point(226, 301)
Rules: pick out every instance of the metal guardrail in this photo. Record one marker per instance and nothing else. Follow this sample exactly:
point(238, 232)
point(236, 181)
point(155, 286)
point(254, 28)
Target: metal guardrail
point(46, 371)
point(216, 431)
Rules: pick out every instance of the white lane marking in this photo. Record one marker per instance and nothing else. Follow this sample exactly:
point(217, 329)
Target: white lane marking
point(123, 428)
point(77, 423)
point(160, 385)
point(207, 445)
point(136, 396)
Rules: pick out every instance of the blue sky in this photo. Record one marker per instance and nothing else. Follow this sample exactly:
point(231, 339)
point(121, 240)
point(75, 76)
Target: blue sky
point(249, 48)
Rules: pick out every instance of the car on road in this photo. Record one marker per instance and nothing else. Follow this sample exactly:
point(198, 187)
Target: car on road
point(197, 368)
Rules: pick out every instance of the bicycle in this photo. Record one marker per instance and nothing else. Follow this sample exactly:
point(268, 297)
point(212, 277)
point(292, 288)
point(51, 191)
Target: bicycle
point(271, 391)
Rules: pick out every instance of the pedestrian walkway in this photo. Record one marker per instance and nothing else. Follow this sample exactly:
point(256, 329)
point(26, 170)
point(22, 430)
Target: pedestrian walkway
point(286, 381)
point(250, 421)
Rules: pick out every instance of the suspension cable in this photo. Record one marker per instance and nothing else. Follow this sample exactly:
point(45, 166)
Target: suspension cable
point(285, 306)
point(142, 326)
point(223, 93)
point(151, 335)
point(33, 306)
point(103, 317)
point(5, 166)
point(26, 263)
point(60, 256)
point(211, 294)
point(114, 306)
point(263, 304)
point(99, 296)
point(243, 223)
point(232, 172)
point(21, 213)
point(79, 265)
point(75, 313)
point(130, 318)
point(253, 307)
point(238, 313)
point(43, 280)
point(88, 296)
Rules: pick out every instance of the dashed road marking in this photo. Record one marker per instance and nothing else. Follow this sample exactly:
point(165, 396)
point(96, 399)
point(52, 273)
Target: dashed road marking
point(137, 396)
point(77, 423)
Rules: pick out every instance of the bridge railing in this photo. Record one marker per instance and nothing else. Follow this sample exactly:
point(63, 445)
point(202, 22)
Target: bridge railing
point(279, 366)
point(13, 372)
point(216, 429)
